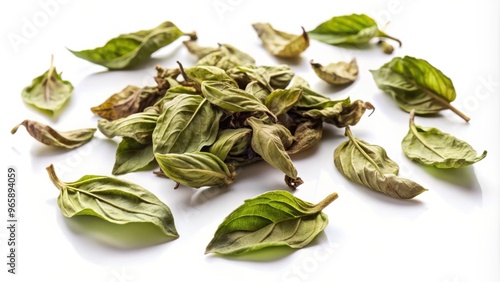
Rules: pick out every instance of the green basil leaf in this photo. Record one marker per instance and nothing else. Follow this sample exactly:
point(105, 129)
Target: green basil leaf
point(48, 92)
point(138, 126)
point(231, 142)
point(51, 137)
point(196, 169)
point(370, 166)
point(114, 200)
point(416, 84)
point(187, 124)
point(348, 29)
point(270, 142)
point(275, 218)
point(132, 156)
point(129, 100)
point(337, 73)
point(432, 147)
point(280, 101)
point(232, 99)
point(306, 135)
point(128, 50)
point(279, 43)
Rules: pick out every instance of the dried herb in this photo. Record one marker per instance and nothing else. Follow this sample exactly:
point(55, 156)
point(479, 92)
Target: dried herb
point(417, 85)
point(132, 156)
point(196, 169)
point(432, 147)
point(114, 200)
point(232, 142)
point(138, 126)
point(275, 218)
point(341, 113)
point(307, 134)
point(226, 57)
point(279, 43)
point(128, 50)
point(49, 136)
point(352, 29)
point(48, 92)
point(337, 73)
point(282, 100)
point(370, 166)
point(187, 124)
point(130, 100)
point(270, 142)
point(199, 51)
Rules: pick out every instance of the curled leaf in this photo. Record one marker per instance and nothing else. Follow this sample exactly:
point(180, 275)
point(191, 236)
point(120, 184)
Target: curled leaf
point(306, 135)
point(199, 51)
point(226, 57)
point(432, 147)
point(280, 101)
point(270, 142)
point(48, 91)
point(114, 200)
point(231, 142)
point(49, 136)
point(416, 84)
point(349, 29)
point(370, 166)
point(196, 169)
point(279, 43)
point(275, 218)
point(128, 50)
point(198, 74)
point(341, 114)
point(130, 100)
point(337, 73)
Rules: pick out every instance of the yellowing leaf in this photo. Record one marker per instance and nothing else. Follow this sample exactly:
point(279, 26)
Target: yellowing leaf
point(279, 43)
point(337, 73)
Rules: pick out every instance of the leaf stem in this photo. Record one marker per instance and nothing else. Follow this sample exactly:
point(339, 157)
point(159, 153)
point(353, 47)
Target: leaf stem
point(326, 201)
point(446, 104)
point(53, 177)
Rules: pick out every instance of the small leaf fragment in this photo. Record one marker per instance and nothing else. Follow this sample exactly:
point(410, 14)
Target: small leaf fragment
point(432, 147)
point(114, 200)
point(370, 166)
point(337, 73)
point(279, 43)
point(128, 50)
point(275, 218)
point(49, 136)
point(48, 91)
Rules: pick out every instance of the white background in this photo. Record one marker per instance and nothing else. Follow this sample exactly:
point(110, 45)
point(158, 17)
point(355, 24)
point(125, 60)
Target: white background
point(448, 234)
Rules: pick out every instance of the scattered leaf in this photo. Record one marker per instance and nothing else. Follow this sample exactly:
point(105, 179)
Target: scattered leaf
point(337, 73)
point(279, 43)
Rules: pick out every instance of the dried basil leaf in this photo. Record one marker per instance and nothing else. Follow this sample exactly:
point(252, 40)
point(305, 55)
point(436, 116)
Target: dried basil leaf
point(187, 124)
point(432, 147)
point(48, 91)
point(370, 166)
point(231, 142)
point(306, 135)
point(349, 29)
point(337, 73)
point(49, 136)
point(275, 218)
point(198, 74)
point(232, 99)
point(132, 156)
point(138, 126)
point(279, 43)
point(280, 101)
point(196, 169)
point(130, 100)
point(258, 90)
point(226, 57)
point(114, 200)
point(270, 142)
point(128, 50)
point(416, 84)
point(341, 114)
point(199, 51)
